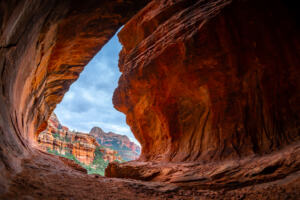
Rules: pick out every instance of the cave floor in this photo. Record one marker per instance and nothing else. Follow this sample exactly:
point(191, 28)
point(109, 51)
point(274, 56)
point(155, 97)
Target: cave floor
point(44, 176)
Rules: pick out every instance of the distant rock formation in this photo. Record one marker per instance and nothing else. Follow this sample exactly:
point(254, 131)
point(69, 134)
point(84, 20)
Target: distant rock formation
point(59, 138)
point(80, 147)
point(127, 150)
point(210, 89)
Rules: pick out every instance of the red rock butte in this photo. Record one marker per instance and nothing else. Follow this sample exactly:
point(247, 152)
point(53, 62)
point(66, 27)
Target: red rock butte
point(210, 88)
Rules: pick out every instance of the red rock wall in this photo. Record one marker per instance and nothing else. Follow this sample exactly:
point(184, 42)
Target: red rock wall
point(127, 150)
point(201, 80)
point(210, 80)
point(44, 45)
point(58, 138)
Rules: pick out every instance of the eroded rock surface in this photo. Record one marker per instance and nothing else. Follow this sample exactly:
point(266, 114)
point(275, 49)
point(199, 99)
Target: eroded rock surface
point(210, 80)
point(84, 147)
point(46, 177)
point(58, 138)
point(209, 88)
point(126, 149)
point(215, 175)
point(44, 45)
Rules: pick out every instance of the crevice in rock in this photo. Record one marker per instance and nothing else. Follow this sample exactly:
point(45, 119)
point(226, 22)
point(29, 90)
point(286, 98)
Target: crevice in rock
point(8, 46)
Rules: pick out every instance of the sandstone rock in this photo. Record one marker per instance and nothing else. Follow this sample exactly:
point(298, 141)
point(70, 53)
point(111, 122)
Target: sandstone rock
point(44, 45)
point(73, 164)
point(202, 81)
point(209, 89)
point(81, 149)
point(126, 149)
point(210, 80)
point(214, 175)
point(46, 177)
point(56, 138)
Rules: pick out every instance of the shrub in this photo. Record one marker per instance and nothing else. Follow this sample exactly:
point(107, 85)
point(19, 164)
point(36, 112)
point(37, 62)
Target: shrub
point(56, 135)
point(67, 139)
point(97, 167)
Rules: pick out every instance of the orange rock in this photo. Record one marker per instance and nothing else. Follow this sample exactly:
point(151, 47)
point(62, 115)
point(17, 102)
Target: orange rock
point(58, 138)
point(126, 149)
point(202, 81)
point(210, 80)
point(43, 47)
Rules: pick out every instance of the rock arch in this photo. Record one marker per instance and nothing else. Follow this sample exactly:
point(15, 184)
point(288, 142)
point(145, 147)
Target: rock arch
point(201, 80)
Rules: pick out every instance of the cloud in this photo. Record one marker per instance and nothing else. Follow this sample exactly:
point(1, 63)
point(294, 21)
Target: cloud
point(88, 102)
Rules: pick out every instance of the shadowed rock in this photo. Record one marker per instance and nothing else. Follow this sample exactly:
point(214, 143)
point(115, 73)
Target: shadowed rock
point(210, 80)
point(210, 89)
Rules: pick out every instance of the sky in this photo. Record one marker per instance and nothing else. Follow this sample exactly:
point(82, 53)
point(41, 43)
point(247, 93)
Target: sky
point(88, 102)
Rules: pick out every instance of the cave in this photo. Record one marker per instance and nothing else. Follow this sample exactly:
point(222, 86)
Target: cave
point(210, 89)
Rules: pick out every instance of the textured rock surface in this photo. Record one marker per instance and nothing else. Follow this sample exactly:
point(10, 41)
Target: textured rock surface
point(210, 80)
point(215, 175)
point(44, 45)
point(127, 150)
point(58, 138)
point(46, 177)
point(202, 81)
point(211, 91)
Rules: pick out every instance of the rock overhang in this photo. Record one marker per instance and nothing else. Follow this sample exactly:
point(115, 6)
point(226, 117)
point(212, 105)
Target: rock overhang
point(247, 105)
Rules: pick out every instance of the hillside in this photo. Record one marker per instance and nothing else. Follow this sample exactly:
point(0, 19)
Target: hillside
point(84, 148)
point(127, 150)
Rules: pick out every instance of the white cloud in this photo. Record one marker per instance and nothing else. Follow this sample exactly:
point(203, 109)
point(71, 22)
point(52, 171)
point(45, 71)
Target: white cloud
point(88, 103)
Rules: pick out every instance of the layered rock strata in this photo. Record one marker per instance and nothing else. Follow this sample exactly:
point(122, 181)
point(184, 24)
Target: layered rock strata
point(44, 45)
point(58, 138)
point(210, 80)
point(202, 81)
point(211, 89)
point(126, 149)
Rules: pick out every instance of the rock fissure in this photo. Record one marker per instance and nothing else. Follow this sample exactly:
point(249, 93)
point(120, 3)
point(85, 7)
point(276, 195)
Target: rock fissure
point(8, 46)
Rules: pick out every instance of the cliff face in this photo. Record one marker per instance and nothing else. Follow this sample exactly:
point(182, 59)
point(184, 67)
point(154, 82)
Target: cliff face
point(210, 80)
point(44, 45)
point(93, 151)
point(58, 138)
point(202, 81)
point(127, 150)
point(79, 147)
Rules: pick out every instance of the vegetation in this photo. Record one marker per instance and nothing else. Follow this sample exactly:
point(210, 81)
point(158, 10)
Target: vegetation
point(97, 167)
point(67, 139)
point(99, 164)
point(57, 136)
point(115, 145)
point(66, 155)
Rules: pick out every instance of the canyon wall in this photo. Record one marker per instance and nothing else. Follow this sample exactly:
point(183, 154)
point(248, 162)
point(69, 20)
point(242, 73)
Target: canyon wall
point(211, 80)
point(201, 81)
point(57, 138)
point(126, 149)
point(81, 148)
point(44, 45)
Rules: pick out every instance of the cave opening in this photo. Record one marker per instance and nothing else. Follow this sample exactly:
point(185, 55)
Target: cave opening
point(209, 88)
point(86, 116)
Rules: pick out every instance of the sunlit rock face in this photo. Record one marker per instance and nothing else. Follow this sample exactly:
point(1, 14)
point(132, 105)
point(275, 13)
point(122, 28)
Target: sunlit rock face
point(58, 138)
point(202, 81)
point(210, 80)
point(127, 150)
point(44, 45)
